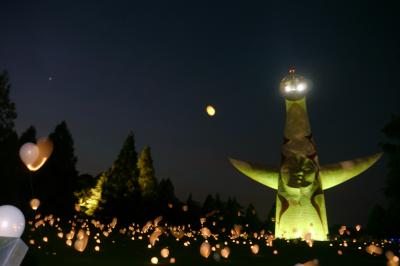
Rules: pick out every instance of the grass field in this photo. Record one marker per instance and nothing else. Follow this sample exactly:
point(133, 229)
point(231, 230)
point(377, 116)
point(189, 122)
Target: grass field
point(118, 248)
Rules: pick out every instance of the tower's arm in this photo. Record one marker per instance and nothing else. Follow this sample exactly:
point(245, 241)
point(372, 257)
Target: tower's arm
point(267, 176)
point(337, 173)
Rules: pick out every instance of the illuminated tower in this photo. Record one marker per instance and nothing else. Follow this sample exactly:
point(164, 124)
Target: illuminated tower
point(300, 181)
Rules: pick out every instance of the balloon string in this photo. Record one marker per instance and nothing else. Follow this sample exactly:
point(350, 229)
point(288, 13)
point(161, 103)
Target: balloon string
point(31, 183)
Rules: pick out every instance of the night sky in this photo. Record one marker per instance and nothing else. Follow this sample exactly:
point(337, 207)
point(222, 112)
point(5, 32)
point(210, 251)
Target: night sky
point(109, 67)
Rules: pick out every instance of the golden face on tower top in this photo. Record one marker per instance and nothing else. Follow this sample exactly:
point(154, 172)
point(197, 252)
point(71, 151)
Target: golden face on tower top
point(293, 87)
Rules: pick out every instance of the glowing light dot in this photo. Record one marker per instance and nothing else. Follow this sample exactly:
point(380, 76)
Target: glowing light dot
point(210, 110)
point(35, 203)
point(301, 87)
point(154, 260)
point(275, 252)
point(97, 248)
point(172, 260)
point(165, 253)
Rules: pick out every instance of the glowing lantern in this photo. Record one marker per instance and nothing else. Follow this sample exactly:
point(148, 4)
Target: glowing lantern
point(165, 253)
point(205, 232)
point(154, 260)
point(255, 249)
point(210, 110)
point(205, 249)
point(35, 155)
point(81, 243)
point(154, 236)
point(113, 222)
point(225, 252)
point(12, 221)
point(35, 203)
point(372, 249)
point(28, 153)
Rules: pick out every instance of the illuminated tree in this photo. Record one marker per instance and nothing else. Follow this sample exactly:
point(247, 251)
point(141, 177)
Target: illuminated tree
point(91, 201)
point(147, 180)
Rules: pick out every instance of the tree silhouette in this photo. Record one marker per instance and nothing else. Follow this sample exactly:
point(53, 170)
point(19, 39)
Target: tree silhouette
point(121, 193)
point(392, 150)
point(56, 181)
point(10, 189)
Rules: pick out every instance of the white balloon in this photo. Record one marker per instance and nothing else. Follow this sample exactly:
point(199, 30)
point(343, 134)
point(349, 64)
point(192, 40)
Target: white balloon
point(29, 153)
point(12, 221)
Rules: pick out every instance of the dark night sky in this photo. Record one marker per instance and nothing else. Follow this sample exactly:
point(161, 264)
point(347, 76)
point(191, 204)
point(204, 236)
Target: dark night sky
point(117, 66)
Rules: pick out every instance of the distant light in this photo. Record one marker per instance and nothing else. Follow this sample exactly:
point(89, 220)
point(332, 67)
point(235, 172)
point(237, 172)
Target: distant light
point(210, 110)
point(288, 88)
point(35, 203)
point(154, 260)
point(165, 253)
point(301, 87)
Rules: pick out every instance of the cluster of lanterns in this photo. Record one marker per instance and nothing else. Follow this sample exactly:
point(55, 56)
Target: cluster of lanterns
point(212, 242)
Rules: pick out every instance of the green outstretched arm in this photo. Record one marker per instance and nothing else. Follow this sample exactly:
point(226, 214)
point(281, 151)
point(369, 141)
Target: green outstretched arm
point(337, 173)
point(267, 176)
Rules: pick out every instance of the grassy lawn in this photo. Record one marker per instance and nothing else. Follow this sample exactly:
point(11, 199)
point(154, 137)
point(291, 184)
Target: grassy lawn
point(119, 249)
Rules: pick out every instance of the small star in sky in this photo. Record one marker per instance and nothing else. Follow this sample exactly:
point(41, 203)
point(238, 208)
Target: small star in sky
point(50, 78)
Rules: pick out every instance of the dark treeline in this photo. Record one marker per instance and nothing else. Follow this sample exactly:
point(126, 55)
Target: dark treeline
point(130, 189)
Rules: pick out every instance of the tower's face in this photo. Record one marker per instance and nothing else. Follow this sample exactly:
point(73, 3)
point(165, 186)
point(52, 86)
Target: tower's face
point(293, 87)
point(298, 171)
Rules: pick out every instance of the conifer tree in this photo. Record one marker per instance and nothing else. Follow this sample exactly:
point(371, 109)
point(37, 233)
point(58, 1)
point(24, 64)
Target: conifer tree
point(91, 202)
point(7, 108)
point(55, 183)
point(123, 175)
point(147, 180)
point(10, 181)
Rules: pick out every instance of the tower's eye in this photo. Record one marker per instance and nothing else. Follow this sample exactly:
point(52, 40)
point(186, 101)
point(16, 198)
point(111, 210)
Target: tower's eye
point(301, 87)
point(293, 87)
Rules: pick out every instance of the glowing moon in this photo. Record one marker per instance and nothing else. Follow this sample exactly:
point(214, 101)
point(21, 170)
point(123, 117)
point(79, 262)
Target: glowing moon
point(210, 110)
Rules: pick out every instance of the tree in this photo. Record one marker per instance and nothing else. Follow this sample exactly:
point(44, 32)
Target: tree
point(123, 175)
point(10, 181)
point(252, 218)
point(166, 192)
point(29, 135)
point(209, 205)
point(91, 200)
point(7, 108)
point(392, 150)
point(377, 221)
point(147, 180)
point(121, 193)
point(56, 181)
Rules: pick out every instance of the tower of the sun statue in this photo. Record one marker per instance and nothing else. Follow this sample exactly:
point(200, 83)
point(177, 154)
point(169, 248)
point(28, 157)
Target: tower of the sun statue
point(300, 181)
